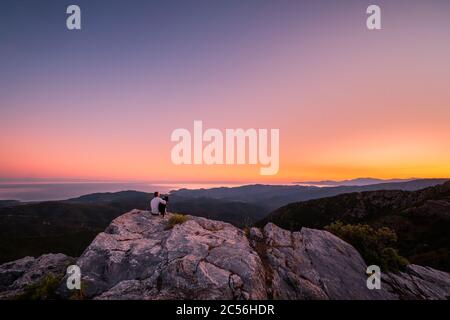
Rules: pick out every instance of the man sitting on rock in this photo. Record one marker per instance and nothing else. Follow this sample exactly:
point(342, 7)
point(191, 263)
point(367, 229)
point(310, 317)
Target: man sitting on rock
point(155, 204)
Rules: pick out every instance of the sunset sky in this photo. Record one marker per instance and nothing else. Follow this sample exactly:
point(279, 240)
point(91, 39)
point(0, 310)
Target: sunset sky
point(101, 103)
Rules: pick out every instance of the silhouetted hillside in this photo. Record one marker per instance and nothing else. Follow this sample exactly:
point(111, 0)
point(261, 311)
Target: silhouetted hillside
point(272, 197)
point(8, 203)
point(239, 213)
point(352, 182)
point(421, 218)
point(33, 229)
point(69, 226)
point(236, 212)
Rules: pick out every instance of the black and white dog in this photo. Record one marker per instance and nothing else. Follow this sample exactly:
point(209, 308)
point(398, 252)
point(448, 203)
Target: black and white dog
point(163, 207)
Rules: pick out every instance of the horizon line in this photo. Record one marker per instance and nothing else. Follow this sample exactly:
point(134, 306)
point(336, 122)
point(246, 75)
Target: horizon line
point(156, 182)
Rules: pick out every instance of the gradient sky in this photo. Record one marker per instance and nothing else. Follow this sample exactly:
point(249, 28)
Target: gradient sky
point(101, 103)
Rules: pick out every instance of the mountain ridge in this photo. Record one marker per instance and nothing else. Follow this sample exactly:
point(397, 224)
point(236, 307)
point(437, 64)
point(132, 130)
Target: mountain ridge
point(421, 219)
point(353, 182)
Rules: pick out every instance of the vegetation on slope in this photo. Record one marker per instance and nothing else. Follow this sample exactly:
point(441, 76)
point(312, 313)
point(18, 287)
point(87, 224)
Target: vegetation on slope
point(376, 246)
point(420, 219)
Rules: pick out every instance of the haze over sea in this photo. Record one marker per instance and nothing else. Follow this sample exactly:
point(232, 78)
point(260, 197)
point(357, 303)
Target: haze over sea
point(46, 190)
point(61, 190)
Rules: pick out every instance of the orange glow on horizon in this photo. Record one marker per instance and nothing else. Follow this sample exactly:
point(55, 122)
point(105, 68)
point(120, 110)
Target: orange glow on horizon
point(348, 103)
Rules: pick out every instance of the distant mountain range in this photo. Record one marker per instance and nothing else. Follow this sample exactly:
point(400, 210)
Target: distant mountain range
point(420, 218)
point(271, 197)
point(352, 182)
point(68, 226)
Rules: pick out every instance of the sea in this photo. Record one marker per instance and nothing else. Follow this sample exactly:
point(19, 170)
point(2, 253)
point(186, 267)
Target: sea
point(28, 191)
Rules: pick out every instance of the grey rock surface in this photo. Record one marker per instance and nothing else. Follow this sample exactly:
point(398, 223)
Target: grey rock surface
point(140, 256)
point(314, 264)
point(419, 282)
point(17, 276)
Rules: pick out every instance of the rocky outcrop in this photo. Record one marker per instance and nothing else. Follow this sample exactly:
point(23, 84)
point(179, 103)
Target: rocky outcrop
point(140, 256)
point(17, 276)
point(420, 283)
point(313, 264)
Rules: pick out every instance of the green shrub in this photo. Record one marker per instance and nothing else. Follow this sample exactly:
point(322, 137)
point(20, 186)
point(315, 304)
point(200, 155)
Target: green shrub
point(42, 290)
point(392, 260)
point(376, 246)
point(176, 219)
